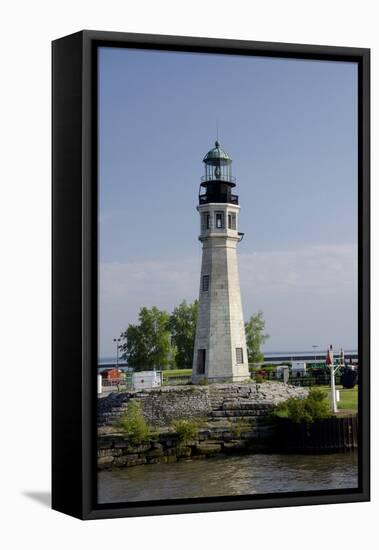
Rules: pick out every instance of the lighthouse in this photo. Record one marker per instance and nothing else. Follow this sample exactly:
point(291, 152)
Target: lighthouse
point(220, 344)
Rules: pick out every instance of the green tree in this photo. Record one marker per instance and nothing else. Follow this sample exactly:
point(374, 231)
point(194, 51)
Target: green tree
point(182, 325)
point(255, 337)
point(148, 344)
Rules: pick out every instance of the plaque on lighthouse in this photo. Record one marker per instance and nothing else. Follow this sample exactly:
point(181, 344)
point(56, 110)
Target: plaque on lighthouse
point(220, 353)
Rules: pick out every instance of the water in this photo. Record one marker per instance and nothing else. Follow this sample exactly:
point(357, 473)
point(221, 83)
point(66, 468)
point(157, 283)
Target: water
point(237, 475)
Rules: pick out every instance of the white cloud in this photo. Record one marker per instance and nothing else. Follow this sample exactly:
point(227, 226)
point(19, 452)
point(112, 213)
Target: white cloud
point(308, 295)
point(316, 268)
point(154, 280)
point(126, 287)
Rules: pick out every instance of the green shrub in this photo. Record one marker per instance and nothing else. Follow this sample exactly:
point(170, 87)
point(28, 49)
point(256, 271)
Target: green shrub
point(186, 430)
point(259, 379)
point(268, 367)
point(314, 407)
point(133, 425)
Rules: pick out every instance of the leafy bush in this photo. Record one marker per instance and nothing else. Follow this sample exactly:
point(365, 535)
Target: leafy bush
point(314, 407)
point(186, 430)
point(268, 367)
point(263, 373)
point(133, 425)
point(258, 378)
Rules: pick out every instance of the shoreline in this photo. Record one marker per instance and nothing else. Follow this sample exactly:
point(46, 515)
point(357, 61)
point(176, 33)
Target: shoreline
point(224, 420)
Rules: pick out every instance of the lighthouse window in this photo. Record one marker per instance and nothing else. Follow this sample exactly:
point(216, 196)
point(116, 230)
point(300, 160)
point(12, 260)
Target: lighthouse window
point(205, 220)
point(231, 221)
point(205, 285)
point(219, 220)
point(239, 355)
point(201, 361)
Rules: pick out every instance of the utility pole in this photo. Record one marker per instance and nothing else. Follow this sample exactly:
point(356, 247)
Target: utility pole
point(315, 346)
point(330, 362)
point(117, 340)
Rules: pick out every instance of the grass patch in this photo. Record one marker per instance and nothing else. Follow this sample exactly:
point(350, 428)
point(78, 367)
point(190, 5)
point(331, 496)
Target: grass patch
point(176, 372)
point(348, 398)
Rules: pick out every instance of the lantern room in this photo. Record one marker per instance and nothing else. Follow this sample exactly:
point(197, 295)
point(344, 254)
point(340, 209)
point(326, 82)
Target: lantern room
point(218, 181)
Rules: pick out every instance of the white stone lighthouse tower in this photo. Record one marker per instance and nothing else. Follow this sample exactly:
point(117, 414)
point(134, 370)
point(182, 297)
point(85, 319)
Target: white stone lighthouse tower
point(220, 344)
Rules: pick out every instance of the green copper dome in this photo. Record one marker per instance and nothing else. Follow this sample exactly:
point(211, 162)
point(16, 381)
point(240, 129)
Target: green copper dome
point(217, 156)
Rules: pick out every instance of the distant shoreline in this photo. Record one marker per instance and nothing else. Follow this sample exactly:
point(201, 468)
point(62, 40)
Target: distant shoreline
point(283, 355)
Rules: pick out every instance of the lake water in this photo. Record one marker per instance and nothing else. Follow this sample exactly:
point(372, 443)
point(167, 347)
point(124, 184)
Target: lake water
point(237, 475)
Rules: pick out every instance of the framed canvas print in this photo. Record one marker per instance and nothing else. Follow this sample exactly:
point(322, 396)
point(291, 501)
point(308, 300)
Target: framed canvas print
point(210, 274)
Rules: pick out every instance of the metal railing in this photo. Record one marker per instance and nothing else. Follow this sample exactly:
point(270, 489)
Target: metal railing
point(220, 198)
point(176, 380)
point(304, 380)
point(124, 382)
point(230, 179)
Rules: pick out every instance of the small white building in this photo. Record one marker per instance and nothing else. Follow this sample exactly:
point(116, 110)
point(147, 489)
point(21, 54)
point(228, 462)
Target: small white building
point(279, 370)
point(146, 379)
point(298, 368)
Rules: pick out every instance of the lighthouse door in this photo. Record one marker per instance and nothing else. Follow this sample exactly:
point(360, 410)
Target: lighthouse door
point(201, 361)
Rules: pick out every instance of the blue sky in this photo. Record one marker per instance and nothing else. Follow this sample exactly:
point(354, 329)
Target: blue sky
point(291, 129)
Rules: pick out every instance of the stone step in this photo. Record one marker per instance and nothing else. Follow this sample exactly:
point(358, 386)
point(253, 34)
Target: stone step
point(108, 418)
point(246, 433)
point(240, 403)
point(248, 419)
point(242, 410)
point(107, 414)
point(245, 405)
point(227, 414)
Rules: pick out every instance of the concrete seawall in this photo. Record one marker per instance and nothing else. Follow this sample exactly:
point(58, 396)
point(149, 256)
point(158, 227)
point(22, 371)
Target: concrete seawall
point(231, 419)
point(114, 450)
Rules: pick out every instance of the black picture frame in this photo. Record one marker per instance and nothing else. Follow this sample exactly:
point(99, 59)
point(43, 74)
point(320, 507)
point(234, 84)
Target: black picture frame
point(74, 271)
